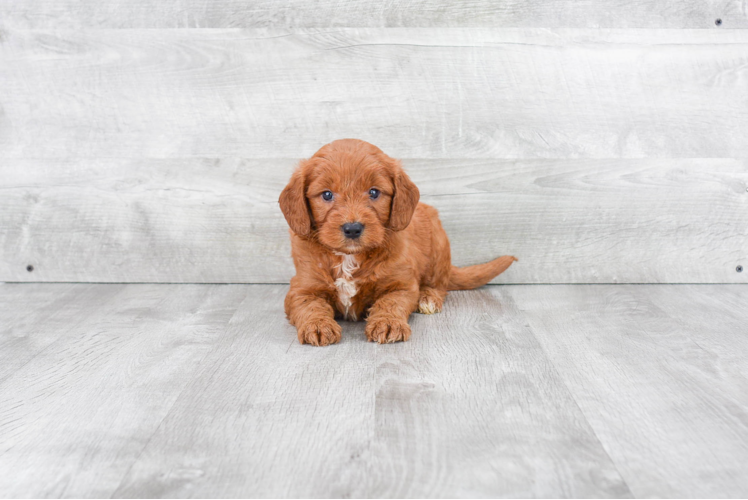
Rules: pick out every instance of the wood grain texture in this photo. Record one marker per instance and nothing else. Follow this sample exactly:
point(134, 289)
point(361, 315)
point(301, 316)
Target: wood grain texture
point(35, 318)
point(84, 407)
point(202, 220)
point(360, 13)
point(265, 416)
point(471, 408)
point(416, 93)
point(524, 391)
point(195, 391)
point(438, 416)
point(659, 373)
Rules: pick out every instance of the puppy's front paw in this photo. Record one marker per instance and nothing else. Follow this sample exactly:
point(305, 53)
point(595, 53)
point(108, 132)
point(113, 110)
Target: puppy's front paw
point(319, 332)
point(387, 330)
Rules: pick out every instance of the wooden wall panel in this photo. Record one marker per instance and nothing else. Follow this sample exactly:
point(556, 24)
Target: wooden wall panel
point(417, 93)
point(368, 13)
point(157, 155)
point(203, 220)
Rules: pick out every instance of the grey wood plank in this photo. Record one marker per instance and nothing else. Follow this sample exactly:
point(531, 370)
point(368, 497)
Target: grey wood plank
point(713, 318)
point(217, 220)
point(21, 305)
point(265, 416)
point(359, 13)
point(418, 93)
point(176, 391)
point(144, 220)
point(471, 407)
point(37, 315)
point(452, 412)
point(74, 418)
point(666, 391)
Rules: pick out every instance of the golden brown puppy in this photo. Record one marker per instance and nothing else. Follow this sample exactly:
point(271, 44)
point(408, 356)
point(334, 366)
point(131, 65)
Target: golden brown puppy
point(364, 247)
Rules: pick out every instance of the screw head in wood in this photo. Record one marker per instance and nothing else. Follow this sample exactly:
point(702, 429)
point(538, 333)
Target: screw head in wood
point(718, 22)
point(739, 269)
point(29, 268)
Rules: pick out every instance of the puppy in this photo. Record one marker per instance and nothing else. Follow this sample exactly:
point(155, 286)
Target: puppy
point(364, 247)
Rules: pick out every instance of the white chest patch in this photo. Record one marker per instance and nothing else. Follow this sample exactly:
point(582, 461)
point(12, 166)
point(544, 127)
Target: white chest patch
point(345, 283)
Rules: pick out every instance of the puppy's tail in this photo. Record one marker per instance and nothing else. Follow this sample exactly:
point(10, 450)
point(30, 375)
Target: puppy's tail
point(467, 278)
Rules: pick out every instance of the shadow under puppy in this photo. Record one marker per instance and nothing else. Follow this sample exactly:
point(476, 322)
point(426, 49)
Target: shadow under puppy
point(363, 246)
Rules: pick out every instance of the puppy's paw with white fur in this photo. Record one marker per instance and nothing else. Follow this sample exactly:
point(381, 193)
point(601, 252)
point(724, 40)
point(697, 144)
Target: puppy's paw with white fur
point(387, 330)
point(319, 332)
point(430, 301)
point(428, 307)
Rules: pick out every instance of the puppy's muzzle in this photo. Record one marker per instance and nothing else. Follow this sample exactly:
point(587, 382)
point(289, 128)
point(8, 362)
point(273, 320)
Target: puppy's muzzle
point(352, 230)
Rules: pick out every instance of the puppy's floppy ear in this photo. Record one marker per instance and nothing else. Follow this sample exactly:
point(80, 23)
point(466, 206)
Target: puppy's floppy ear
point(404, 201)
point(294, 205)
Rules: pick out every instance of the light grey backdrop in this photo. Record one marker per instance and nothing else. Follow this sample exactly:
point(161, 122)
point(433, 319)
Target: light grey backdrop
point(599, 142)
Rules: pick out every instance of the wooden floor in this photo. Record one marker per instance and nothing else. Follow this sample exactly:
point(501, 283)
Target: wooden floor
point(203, 391)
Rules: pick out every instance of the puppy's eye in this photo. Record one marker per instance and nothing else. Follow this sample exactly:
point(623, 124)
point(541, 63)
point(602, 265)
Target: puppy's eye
point(327, 195)
point(373, 193)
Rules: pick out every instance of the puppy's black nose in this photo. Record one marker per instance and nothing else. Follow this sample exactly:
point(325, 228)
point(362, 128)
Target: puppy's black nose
point(352, 230)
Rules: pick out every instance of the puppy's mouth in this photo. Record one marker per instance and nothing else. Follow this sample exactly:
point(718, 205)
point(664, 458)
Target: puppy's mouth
point(352, 246)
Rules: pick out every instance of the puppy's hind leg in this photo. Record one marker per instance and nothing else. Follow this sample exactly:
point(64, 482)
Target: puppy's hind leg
point(433, 289)
point(431, 300)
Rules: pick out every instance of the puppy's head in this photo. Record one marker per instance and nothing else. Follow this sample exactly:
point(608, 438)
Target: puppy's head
point(348, 195)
